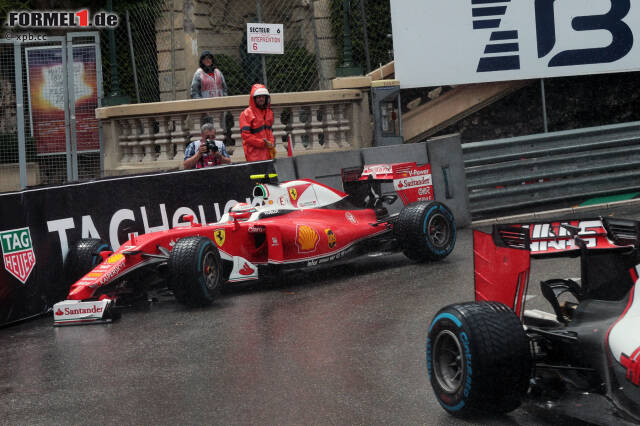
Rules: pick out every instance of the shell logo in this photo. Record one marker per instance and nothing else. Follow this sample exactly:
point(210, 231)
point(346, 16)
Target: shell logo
point(331, 238)
point(115, 258)
point(306, 238)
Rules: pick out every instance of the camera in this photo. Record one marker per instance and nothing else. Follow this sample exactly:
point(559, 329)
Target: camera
point(211, 146)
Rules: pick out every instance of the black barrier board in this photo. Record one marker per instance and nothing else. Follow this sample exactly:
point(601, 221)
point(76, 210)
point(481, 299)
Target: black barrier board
point(37, 226)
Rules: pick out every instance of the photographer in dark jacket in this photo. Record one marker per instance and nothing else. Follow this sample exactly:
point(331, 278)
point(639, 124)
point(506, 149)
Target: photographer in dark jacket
point(206, 151)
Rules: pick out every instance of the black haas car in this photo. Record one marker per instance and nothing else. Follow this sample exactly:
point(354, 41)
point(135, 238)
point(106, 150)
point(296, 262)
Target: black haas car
point(490, 355)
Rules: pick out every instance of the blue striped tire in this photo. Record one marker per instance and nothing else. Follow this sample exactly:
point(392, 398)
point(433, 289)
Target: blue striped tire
point(426, 231)
point(478, 358)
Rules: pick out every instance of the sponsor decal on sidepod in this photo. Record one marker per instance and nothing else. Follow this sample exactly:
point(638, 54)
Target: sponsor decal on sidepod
point(331, 238)
point(220, 236)
point(306, 239)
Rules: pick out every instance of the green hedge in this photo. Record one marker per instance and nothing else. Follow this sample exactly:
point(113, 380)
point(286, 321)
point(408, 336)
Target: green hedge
point(294, 71)
point(9, 148)
point(378, 27)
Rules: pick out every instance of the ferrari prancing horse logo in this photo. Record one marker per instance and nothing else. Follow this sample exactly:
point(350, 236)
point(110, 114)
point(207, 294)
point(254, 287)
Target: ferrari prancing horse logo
point(219, 235)
point(293, 193)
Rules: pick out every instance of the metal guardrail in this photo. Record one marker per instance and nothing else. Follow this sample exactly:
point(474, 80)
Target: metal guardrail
point(513, 174)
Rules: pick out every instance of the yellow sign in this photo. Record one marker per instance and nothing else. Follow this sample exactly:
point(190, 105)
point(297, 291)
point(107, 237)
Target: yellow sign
point(219, 235)
point(331, 238)
point(293, 193)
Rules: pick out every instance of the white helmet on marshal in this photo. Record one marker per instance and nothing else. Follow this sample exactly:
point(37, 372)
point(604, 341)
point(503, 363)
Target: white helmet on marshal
point(261, 91)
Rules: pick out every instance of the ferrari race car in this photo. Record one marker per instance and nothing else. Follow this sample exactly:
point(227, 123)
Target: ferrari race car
point(491, 354)
point(293, 225)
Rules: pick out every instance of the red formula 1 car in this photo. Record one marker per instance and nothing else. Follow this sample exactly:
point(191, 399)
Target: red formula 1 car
point(582, 357)
point(296, 224)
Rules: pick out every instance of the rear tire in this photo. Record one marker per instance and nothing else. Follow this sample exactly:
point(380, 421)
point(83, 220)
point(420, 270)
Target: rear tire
point(195, 271)
point(426, 231)
point(478, 358)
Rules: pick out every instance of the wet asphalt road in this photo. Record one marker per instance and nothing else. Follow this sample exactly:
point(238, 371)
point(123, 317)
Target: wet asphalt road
point(340, 345)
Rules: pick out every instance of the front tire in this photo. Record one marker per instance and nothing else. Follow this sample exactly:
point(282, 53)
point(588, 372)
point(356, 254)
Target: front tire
point(195, 271)
point(82, 257)
point(478, 358)
point(426, 231)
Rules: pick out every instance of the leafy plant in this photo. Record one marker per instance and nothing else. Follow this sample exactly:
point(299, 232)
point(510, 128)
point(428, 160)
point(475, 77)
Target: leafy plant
point(9, 148)
point(378, 19)
point(234, 75)
point(290, 72)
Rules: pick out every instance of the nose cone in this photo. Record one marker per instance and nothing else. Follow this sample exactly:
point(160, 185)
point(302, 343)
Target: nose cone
point(80, 292)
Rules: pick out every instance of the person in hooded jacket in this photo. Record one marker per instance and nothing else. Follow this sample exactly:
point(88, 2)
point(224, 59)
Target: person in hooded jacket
point(256, 123)
point(208, 81)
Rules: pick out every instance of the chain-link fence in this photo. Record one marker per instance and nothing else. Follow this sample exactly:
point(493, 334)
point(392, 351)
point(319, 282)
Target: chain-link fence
point(162, 40)
point(158, 44)
point(142, 43)
point(371, 37)
point(152, 56)
point(49, 92)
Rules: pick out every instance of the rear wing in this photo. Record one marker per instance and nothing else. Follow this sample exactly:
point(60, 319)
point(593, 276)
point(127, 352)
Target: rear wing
point(559, 237)
point(502, 258)
point(411, 182)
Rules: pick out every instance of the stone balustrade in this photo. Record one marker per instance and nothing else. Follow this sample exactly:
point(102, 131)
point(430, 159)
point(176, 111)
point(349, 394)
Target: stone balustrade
point(149, 137)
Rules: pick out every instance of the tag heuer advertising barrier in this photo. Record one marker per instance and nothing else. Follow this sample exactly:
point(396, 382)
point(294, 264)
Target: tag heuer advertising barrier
point(17, 252)
point(471, 41)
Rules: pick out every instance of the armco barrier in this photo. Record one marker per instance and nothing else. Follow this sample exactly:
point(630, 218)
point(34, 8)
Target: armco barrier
point(444, 154)
point(508, 175)
point(39, 224)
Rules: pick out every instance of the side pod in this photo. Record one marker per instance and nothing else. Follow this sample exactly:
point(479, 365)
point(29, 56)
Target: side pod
point(501, 273)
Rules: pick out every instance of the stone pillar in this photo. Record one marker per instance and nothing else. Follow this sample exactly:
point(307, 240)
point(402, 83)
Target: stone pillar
point(176, 67)
point(191, 55)
point(111, 145)
point(326, 52)
point(362, 122)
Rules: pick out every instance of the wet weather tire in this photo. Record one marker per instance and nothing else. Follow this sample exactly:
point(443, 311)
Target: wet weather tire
point(83, 256)
point(426, 231)
point(478, 358)
point(195, 270)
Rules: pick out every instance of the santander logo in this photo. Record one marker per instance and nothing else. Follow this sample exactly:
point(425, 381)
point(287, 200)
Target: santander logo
point(246, 270)
point(59, 312)
point(77, 311)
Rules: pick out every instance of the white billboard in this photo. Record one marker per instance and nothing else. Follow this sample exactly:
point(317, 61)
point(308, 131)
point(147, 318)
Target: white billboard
point(265, 38)
point(438, 42)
